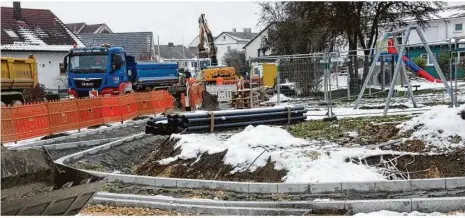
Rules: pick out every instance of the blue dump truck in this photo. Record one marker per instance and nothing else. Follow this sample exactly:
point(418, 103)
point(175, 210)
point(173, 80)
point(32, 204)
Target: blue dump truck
point(110, 71)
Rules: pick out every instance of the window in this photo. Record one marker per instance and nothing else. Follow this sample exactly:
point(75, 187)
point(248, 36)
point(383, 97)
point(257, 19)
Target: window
point(428, 60)
point(88, 63)
point(224, 38)
point(258, 52)
point(194, 64)
point(229, 48)
point(458, 27)
point(399, 40)
point(11, 33)
point(62, 70)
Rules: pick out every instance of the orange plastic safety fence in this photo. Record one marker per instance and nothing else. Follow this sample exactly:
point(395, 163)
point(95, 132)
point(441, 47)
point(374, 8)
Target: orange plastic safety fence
point(63, 115)
point(128, 106)
point(8, 125)
point(90, 112)
point(157, 102)
point(39, 119)
point(111, 109)
point(31, 120)
point(144, 104)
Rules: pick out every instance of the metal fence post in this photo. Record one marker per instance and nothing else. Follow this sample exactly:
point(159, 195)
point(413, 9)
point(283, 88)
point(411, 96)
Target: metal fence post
point(383, 80)
point(278, 80)
point(348, 78)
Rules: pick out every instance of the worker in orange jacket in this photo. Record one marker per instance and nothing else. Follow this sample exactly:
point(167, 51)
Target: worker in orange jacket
point(219, 80)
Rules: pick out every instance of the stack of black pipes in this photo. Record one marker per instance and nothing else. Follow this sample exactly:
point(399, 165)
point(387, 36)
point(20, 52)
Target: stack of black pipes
point(222, 120)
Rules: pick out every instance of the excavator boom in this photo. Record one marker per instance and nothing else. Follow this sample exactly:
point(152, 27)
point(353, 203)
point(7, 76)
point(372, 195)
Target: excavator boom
point(205, 31)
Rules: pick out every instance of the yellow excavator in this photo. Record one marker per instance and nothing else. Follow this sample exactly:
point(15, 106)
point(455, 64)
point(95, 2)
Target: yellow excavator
point(211, 73)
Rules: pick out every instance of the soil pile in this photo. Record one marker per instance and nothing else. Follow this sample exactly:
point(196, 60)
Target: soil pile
point(208, 166)
point(425, 166)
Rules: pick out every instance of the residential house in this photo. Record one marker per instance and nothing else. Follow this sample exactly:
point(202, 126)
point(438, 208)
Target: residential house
point(185, 57)
point(227, 41)
point(447, 24)
point(81, 28)
point(40, 33)
point(256, 46)
point(137, 44)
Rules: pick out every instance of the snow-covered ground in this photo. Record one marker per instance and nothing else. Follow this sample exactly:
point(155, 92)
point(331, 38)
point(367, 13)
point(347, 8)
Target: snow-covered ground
point(338, 81)
point(350, 112)
point(441, 127)
point(305, 161)
point(282, 98)
point(414, 213)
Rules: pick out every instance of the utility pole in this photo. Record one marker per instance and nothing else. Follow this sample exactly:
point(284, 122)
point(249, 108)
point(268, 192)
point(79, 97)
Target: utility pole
point(183, 54)
point(159, 56)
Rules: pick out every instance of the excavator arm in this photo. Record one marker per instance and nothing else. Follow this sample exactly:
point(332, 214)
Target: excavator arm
point(205, 31)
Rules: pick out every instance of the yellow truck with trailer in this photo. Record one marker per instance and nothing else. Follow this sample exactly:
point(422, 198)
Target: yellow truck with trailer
point(18, 74)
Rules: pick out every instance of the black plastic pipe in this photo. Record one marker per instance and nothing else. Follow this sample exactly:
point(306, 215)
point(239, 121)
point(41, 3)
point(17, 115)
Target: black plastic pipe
point(242, 124)
point(239, 112)
point(250, 117)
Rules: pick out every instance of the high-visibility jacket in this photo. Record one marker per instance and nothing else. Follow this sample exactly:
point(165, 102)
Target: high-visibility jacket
point(219, 80)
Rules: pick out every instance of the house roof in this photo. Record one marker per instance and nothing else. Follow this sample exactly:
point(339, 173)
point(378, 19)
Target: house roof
point(258, 34)
point(38, 30)
point(75, 27)
point(81, 28)
point(176, 52)
point(451, 12)
point(240, 36)
point(137, 44)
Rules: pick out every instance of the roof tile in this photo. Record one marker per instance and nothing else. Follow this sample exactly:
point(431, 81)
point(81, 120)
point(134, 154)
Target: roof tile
point(37, 30)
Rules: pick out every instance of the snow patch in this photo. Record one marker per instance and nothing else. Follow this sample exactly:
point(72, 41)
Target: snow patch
point(441, 127)
point(304, 161)
point(413, 213)
point(352, 134)
point(282, 98)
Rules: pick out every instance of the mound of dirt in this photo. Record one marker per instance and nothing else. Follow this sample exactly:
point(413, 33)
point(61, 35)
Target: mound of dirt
point(208, 166)
point(410, 146)
point(426, 166)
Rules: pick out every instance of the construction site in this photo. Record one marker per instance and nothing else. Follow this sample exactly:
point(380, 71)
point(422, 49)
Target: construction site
point(318, 134)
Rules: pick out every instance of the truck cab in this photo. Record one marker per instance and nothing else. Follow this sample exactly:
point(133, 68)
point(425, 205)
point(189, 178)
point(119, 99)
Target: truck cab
point(102, 69)
point(110, 71)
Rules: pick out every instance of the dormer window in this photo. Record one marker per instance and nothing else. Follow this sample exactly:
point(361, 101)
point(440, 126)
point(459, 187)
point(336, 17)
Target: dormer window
point(11, 33)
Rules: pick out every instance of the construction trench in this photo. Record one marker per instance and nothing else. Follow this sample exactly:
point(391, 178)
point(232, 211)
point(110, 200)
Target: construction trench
point(137, 184)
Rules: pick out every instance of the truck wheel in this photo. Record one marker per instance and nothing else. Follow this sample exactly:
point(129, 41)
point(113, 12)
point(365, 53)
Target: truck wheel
point(16, 103)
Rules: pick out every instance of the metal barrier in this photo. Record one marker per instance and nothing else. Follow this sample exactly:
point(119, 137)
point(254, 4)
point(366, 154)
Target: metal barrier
point(45, 118)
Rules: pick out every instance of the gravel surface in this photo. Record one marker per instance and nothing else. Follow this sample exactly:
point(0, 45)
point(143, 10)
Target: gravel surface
point(109, 133)
point(58, 153)
point(103, 210)
point(232, 196)
point(123, 158)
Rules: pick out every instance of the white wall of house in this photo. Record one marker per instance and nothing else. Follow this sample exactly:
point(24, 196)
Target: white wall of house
point(48, 66)
point(195, 42)
point(190, 64)
point(224, 43)
point(251, 51)
point(440, 30)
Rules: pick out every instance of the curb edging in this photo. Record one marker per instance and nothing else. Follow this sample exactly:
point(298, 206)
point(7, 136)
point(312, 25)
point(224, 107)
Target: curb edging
point(266, 188)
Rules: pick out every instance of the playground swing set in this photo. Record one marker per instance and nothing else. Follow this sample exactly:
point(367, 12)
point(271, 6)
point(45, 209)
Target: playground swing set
point(401, 59)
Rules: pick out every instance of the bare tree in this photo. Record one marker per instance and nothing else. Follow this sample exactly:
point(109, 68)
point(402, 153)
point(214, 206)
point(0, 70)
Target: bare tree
point(236, 59)
point(62, 81)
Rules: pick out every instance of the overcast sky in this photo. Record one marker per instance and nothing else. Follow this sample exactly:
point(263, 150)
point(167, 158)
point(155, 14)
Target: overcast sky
point(173, 21)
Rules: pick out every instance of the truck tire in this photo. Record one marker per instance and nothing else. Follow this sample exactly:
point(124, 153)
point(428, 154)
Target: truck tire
point(16, 103)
